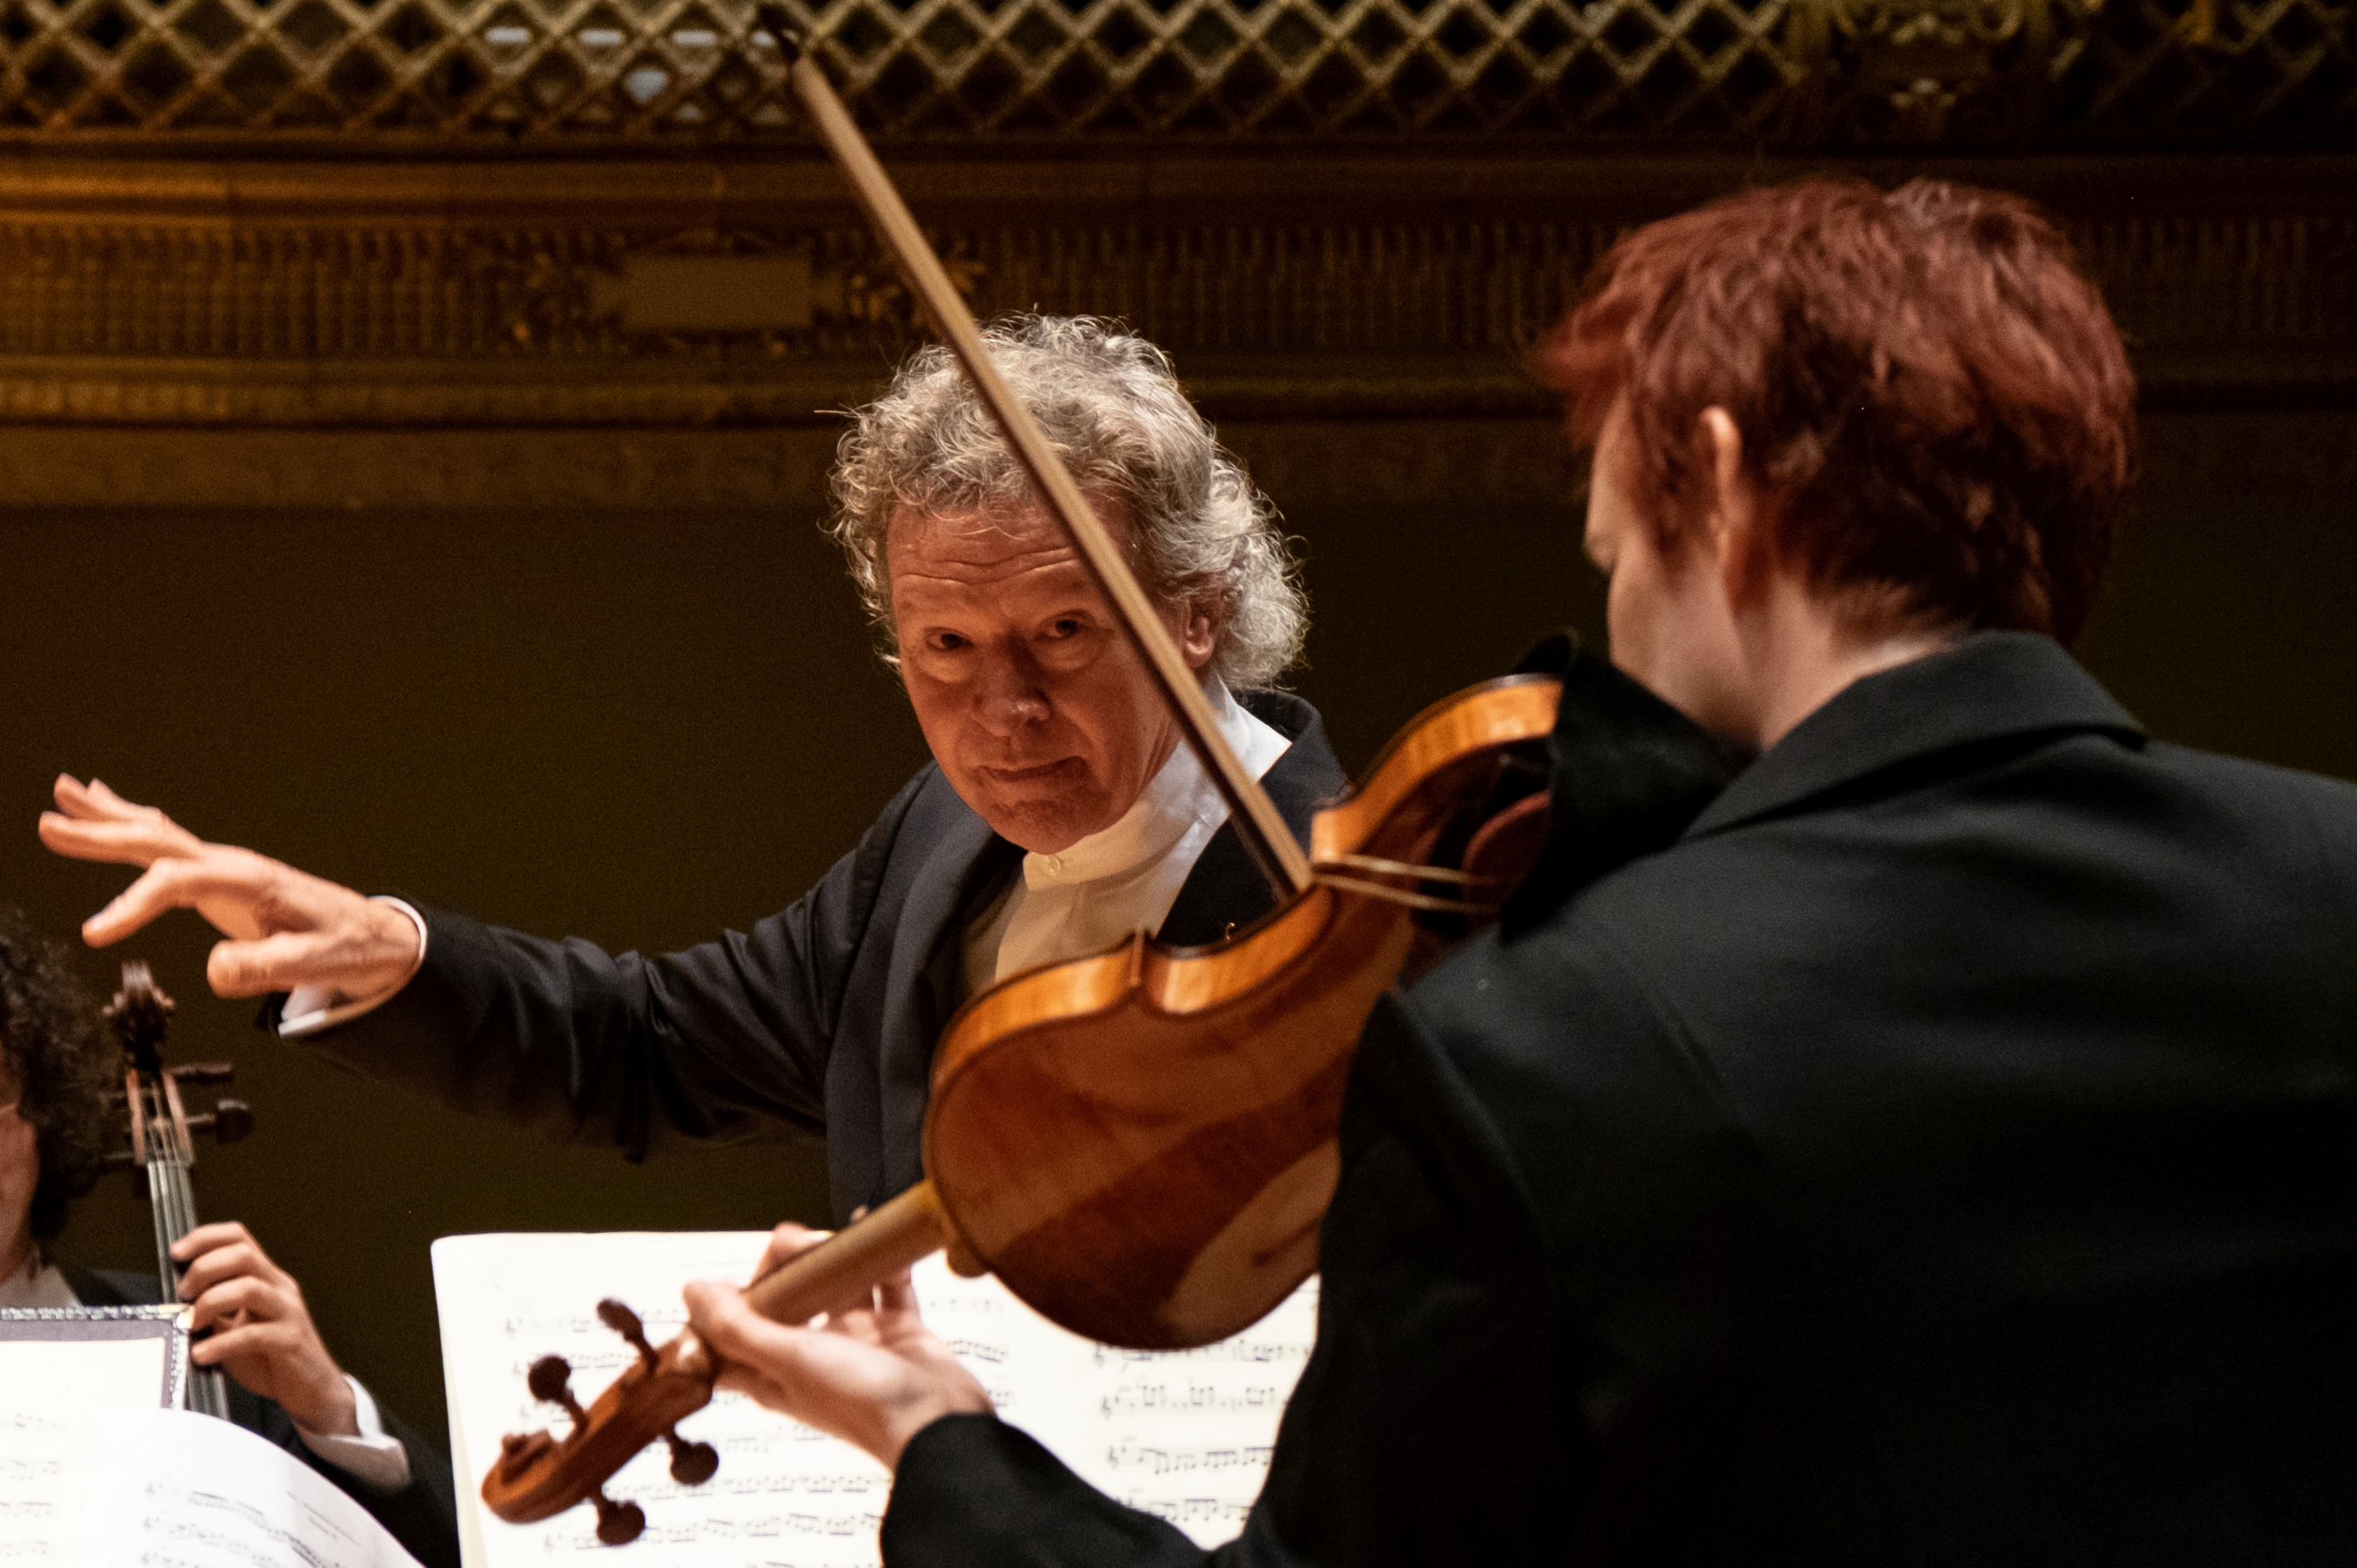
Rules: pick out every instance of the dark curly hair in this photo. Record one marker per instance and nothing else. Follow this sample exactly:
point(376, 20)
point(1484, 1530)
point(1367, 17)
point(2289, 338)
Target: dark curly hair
point(60, 1063)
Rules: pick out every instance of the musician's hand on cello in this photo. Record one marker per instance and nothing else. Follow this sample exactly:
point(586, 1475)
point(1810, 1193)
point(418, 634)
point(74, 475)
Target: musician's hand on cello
point(869, 1373)
point(286, 928)
point(261, 1330)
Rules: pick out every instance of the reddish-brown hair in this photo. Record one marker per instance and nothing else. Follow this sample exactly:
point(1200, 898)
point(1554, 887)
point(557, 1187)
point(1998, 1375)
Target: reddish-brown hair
point(1928, 388)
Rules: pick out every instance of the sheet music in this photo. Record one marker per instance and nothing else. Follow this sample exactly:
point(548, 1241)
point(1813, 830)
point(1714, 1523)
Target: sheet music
point(44, 1491)
point(84, 1488)
point(1186, 1435)
point(61, 1370)
point(176, 1489)
point(790, 1493)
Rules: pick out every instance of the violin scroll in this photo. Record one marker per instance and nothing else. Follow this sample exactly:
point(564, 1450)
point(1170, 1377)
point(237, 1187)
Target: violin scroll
point(538, 1476)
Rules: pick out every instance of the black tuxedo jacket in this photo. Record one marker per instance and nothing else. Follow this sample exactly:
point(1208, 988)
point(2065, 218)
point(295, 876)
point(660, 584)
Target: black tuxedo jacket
point(822, 1017)
point(423, 1516)
point(1941, 1152)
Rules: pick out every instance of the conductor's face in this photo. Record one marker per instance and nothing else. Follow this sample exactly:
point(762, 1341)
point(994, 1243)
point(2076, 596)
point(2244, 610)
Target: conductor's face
point(1039, 712)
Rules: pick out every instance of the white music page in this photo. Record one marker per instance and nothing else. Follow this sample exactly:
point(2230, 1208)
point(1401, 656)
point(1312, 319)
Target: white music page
point(1183, 1434)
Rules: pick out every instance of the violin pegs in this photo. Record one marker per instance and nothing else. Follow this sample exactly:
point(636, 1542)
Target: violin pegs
point(619, 1524)
point(625, 1322)
point(550, 1379)
point(692, 1463)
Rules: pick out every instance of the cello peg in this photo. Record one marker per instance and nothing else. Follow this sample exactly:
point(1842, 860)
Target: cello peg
point(692, 1463)
point(550, 1382)
point(619, 1524)
point(625, 1322)
point(228, 1120)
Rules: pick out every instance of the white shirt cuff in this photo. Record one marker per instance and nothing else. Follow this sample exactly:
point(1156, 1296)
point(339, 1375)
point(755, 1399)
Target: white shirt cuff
point(374, 1457)
point(313, 1009)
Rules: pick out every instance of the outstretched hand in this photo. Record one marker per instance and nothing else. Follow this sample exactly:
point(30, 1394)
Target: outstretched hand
point(287, 929)
point(261, 1331)
point(869, 1373)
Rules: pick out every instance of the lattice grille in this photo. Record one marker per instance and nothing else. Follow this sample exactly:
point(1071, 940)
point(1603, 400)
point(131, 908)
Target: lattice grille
point(551, 69)
point(2164, 70)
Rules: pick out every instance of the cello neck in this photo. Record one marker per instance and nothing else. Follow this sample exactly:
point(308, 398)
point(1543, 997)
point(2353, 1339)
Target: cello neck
point(161, 1148)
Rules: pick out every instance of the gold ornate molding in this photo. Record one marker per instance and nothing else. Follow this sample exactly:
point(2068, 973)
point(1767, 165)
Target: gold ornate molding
point(687, 294)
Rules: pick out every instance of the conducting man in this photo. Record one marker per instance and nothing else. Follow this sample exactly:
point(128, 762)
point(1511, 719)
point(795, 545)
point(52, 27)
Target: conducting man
point(1060, 811)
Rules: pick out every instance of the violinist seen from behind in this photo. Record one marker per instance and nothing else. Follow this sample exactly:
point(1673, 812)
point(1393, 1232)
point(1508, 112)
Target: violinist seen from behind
point(1936, 1147)
point(57, 1125)
point(1060, 811)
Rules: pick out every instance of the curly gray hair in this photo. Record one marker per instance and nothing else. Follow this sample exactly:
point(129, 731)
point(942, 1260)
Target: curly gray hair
point(1112, 409)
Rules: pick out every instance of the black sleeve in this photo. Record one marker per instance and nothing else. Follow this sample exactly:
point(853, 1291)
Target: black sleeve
point(723, 1039)
point(423, 1516)
point(1425, 1429)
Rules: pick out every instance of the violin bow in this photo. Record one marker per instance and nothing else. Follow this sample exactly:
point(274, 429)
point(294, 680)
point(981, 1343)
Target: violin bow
point(537, 1476)
point(1258, 821)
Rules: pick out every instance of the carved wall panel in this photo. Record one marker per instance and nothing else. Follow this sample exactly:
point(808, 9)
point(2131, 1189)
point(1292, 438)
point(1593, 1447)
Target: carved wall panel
point(149, 302)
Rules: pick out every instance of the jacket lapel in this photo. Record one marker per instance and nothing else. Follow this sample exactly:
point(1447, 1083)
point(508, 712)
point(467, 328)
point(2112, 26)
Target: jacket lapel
point(1226, 890)
point(922, 989)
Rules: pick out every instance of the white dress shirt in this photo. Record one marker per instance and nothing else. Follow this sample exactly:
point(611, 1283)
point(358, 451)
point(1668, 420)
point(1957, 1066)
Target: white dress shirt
point(373, 1455)
point(1122, 878)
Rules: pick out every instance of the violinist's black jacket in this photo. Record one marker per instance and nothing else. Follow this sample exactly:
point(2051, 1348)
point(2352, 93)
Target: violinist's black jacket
point(822, 1018)
point(1944, 1152)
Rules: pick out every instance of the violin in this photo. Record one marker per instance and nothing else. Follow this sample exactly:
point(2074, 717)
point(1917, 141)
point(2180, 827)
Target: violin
point(1140, 1144)
point(163, 1139)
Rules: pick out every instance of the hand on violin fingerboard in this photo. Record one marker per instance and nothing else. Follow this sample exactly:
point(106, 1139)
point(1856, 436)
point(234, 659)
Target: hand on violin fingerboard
point(869, 1373)
point(287, 929)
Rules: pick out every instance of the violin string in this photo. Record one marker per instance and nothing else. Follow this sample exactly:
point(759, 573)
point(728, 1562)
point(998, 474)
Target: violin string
point(1404, 897)
point(1383, 867)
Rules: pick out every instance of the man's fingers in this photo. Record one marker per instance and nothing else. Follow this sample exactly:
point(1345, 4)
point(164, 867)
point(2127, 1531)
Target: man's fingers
point(121, 844)
point(281, 962)
point(92, 799)
point(223, 879)
point(110, 820)
point(896, 1295)
point(718, 1314)
point(264, 1340)
point(205, 1238)
point(223, 1302)
point(787, 1242)
point(244, 1261)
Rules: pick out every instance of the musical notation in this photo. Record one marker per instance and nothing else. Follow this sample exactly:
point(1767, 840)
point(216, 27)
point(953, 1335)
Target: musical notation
point(1163, 1459)
point(1183, 1434)
point(1192, 1399)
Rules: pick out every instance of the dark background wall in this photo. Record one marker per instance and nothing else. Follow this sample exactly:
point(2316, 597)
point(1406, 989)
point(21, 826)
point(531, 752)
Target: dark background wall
point(642, 725)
